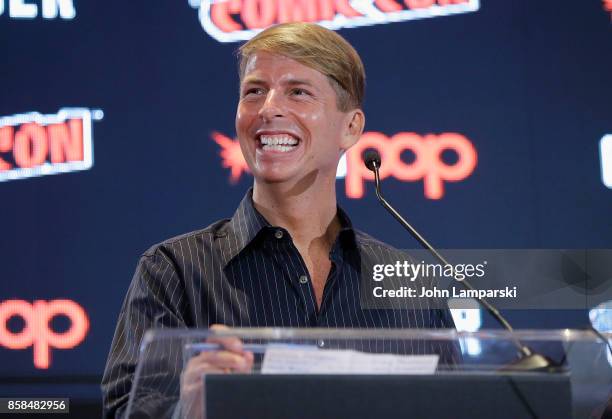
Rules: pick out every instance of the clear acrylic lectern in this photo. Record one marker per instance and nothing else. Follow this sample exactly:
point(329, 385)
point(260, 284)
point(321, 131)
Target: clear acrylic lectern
point(334, 373)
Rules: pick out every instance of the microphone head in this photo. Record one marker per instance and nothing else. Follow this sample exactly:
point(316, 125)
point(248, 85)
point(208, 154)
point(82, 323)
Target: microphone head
point(370, 158)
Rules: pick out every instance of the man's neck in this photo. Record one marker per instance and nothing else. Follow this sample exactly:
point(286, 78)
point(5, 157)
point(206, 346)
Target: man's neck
point(309, 214)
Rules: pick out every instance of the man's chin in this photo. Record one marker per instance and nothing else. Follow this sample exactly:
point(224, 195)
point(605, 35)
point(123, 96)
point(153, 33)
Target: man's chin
point(273, 178)
point(295, 183)
point(277, 171)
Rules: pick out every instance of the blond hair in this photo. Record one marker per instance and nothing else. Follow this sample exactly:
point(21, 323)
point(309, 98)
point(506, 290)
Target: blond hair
point(318, 48)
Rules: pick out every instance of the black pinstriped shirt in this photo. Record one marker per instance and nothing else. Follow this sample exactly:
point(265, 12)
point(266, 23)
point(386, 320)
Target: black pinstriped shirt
point(244, 272)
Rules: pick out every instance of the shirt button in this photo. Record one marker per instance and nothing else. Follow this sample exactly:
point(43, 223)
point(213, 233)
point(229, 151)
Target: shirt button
point(303, 279)
point(278, 234)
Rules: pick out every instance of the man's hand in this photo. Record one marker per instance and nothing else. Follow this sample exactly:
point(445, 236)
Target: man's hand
point(232, 359)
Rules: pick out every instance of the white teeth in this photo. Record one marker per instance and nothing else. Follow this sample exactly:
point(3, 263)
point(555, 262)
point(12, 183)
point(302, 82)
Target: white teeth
point(276, 147)
point(281, 139)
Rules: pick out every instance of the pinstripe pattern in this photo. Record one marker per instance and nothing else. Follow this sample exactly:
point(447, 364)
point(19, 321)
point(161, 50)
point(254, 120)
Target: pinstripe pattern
point(238, 272)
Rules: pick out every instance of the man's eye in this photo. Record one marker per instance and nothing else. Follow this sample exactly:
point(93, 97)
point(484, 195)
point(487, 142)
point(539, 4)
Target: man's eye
point(253, 91)
point(299, 92)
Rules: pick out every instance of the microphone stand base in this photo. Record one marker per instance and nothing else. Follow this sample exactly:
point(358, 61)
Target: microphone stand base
point(533, 362)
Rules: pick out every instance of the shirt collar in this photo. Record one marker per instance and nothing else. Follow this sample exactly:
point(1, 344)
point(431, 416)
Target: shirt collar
point(246, 224)
point(243, 227)
point(346, 235)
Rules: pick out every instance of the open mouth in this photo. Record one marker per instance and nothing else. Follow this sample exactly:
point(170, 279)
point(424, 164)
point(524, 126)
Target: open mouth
point(278, 142)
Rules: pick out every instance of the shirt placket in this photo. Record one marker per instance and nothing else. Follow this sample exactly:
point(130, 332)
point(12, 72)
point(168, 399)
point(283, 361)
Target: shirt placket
point(331, 287)
point(294, 273)
point(318, 316)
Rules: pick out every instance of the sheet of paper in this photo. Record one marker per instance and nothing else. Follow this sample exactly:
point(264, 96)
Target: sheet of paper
point(298, 360)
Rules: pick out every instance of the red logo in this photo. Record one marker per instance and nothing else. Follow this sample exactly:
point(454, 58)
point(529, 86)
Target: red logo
point(37, 331)
point(232, 156)
point(237, 20)
point(428, 164)
point(607, 5)
point(32, 144)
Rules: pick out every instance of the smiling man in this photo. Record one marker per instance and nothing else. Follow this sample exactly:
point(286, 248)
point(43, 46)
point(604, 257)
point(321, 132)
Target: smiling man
point(297, 114)
point(289, 256)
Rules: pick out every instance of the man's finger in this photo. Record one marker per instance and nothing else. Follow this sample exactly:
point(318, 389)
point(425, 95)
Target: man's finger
point(194, 375)
point(224, 359)
point(230, 343)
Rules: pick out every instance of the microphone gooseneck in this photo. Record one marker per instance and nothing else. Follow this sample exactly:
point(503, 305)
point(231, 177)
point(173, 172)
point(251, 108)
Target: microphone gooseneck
point(528, 359)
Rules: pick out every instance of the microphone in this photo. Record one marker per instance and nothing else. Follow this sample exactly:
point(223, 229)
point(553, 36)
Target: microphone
point(528, 360)
point(371, 158)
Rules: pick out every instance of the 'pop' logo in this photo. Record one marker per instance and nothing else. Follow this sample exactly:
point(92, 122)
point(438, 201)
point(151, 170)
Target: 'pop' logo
point(427, 165)
point(37, 332)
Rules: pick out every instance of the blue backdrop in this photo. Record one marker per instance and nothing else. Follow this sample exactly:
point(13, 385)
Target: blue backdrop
point(526, 83)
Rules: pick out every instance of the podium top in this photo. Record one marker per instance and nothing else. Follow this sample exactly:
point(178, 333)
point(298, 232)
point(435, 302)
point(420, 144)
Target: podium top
point(581, 356)
point(273, 334)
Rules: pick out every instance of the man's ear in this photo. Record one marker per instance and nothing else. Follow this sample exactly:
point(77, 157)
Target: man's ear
point(353, 128)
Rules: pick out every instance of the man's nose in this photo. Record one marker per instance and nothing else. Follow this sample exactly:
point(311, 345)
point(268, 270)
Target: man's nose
point(272, 107)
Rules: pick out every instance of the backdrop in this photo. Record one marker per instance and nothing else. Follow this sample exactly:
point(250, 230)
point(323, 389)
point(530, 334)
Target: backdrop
point(108, 107)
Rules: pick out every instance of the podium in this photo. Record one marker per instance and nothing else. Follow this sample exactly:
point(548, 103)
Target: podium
point(368, 373)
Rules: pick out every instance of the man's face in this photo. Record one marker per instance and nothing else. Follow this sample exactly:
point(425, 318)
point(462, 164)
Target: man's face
point(288, 122)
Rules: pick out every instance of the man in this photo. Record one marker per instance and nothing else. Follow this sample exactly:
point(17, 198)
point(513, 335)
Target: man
point(289, 257)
